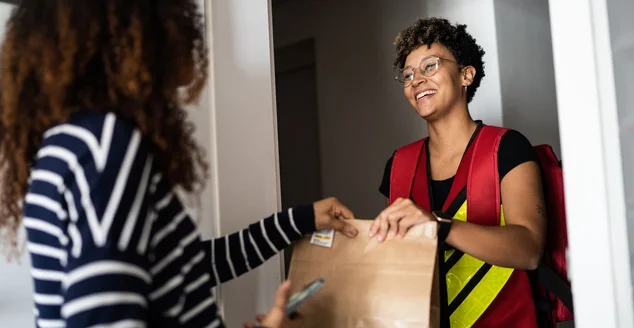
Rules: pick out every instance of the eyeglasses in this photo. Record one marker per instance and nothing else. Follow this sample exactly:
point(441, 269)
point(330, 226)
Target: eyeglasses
point(427, 67)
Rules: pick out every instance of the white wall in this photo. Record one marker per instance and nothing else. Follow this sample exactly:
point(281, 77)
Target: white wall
point(16, 287)
point(622, 38)
point(527, 78)
point(16, 293)
point(479, 16)
point(242, 132)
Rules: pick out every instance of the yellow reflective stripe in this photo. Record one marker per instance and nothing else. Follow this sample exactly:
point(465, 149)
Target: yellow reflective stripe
point(461, 273)
point(480, 298)
point(461, 215)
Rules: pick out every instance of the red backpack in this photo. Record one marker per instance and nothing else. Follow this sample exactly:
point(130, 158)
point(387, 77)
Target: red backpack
point(551, 286)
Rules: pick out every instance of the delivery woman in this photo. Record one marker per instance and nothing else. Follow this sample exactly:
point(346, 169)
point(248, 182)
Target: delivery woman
point(440, 68)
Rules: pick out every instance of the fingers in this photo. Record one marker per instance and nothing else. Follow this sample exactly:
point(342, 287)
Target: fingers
point(405, 224)
point(397, 219)
point(343, 227)
point(375, 227)
point(398, 205)
point(330, 213)
point(341, 211)
point(261, 318)
point(282, 295)
point(431, 229)
point(387, 221)
point(393, 227)
point(277, 313)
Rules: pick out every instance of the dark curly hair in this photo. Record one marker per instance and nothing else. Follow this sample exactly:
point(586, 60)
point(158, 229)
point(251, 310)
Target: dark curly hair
point(143, 60)
point(454, 37)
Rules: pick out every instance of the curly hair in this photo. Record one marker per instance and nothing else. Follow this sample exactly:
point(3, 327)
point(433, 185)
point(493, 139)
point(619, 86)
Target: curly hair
point(454, 37)
point(143, 60)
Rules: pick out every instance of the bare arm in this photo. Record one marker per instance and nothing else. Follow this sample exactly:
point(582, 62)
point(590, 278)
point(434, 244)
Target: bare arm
point(520, 243)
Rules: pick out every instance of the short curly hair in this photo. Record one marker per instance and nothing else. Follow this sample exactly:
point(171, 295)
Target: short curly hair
point(454, 37)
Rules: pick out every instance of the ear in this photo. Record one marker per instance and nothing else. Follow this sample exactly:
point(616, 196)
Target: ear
point(468, 74)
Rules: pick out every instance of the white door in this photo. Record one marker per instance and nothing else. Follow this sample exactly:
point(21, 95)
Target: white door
point(593, 174)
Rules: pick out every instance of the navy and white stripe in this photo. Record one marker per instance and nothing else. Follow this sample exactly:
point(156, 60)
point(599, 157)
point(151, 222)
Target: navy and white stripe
point(111, 244)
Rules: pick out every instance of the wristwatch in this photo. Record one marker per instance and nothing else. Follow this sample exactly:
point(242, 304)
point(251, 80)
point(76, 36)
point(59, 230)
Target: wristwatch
point(444, 225)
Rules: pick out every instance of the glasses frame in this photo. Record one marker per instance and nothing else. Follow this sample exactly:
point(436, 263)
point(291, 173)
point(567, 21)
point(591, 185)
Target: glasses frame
point(408, 82)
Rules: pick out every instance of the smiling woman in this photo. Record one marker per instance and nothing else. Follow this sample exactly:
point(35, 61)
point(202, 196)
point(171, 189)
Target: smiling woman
point(440, 68)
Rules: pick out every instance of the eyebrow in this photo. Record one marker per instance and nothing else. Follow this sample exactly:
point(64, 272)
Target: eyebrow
point(432, 55)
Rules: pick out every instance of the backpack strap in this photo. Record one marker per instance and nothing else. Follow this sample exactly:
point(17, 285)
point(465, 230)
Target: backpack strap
point(483, 186)
point(553, 282)
point(404, 166)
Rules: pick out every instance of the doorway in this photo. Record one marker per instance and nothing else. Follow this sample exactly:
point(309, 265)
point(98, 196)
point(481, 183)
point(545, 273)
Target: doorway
point(298, 126)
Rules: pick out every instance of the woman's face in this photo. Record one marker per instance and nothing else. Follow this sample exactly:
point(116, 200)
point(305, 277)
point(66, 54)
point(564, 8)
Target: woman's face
point(436, 95)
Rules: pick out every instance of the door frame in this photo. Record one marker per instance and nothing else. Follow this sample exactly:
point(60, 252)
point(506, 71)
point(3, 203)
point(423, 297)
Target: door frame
point(599, 265)
point(236, 49)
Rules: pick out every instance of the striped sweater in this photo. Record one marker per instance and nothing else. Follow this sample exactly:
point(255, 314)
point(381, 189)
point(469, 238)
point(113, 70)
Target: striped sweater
point(110, 243)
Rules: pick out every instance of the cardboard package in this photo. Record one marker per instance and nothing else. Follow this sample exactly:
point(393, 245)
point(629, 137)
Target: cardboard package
point(370, 284)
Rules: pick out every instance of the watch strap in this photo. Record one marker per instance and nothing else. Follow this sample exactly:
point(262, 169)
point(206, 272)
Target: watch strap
point(444, 225)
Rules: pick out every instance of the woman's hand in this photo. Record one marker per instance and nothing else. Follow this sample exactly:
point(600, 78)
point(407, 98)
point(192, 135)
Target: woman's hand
point(276, 318)
point(330, 213)
point(397, 218)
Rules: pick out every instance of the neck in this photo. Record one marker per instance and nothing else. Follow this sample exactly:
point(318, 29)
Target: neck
point(452, 133)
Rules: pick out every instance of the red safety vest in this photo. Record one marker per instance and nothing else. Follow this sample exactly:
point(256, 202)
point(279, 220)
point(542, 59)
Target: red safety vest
point(477, 294)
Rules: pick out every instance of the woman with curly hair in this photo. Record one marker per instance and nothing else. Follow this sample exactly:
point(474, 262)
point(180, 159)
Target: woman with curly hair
point(483, 259)
point(94, 139)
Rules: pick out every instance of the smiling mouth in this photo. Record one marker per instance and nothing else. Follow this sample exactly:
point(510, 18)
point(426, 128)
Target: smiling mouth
point(425, 94)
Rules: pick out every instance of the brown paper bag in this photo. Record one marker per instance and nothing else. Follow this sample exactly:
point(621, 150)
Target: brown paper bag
point(370, 284)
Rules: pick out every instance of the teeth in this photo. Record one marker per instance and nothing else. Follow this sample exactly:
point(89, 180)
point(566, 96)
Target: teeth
point(425, 93)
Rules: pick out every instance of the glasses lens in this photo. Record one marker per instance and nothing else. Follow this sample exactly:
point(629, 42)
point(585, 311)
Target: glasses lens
point(405, 76)
point(429, 66)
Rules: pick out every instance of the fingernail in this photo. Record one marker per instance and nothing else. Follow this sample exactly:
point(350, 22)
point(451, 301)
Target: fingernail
point(380, 238)
point(392, 234)
point(351, 232)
